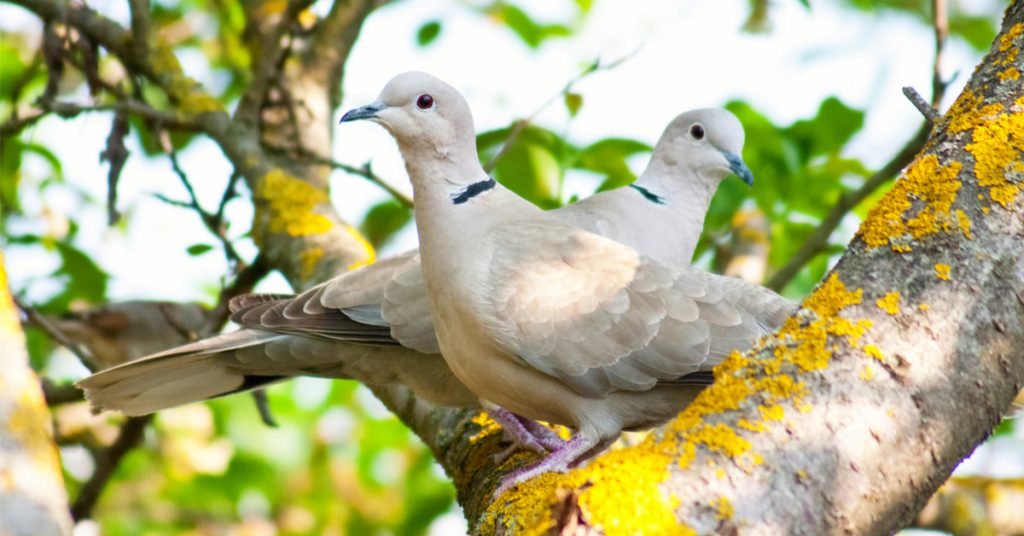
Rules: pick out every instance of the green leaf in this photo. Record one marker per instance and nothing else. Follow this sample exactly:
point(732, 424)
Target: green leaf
point(531, 32)
point(384, 220)
point(573, 103)
point(428, 33)
point(977, 31)
point(609, 157)
point(10, 174)
point(84, 279)
point(828, 131)
point(196, 250)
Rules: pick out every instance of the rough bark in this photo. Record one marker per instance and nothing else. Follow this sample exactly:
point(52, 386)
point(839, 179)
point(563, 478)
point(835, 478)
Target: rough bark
point(32, 497)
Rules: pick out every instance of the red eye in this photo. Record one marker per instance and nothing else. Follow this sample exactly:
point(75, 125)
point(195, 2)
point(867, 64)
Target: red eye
point(424, 101)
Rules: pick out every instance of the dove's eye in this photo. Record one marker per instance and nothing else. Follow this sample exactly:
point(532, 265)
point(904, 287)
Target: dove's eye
point(424, 101)
point(697, 132)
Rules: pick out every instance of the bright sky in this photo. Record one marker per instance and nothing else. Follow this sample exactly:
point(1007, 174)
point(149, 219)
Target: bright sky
point(690, 55)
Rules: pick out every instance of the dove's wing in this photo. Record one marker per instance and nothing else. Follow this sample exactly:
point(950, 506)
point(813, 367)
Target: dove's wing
point(600, 317)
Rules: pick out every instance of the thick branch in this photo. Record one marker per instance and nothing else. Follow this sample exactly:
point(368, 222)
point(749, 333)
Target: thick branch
point(32, 498)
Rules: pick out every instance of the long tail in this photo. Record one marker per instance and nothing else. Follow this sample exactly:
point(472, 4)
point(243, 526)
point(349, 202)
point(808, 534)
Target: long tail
point(199, 371)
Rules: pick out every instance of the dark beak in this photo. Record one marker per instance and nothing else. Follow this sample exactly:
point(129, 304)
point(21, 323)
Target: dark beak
point(736, 165)
point(363, 112)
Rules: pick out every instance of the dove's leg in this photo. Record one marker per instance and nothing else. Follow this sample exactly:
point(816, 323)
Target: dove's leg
point(545, 436)
point(516, 430)
point(558, 461)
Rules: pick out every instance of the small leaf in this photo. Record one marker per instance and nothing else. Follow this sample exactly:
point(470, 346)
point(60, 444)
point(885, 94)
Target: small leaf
point(428, 33)
point(196, 250)
point(384, 220)
point(573, 103)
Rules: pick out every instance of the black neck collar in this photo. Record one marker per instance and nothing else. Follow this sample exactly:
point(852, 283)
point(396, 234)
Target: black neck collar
point(473, 190)
point(648, 195)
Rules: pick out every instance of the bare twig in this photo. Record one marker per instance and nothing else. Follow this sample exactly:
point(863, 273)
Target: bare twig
point(818, 241)
point(64, 393)
point(940, 22)
point(520, 125)
point(107, 461)
point(364, 172)
point(922, 105)
point(167, 119)
point(117, 154)
point(57, 335)
point(211, 221)
point(243, 283)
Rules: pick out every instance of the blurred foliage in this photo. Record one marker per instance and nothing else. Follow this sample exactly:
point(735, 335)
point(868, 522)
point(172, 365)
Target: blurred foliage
point(338, 463)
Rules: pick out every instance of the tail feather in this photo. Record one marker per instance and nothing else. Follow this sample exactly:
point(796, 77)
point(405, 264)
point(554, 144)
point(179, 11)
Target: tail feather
point(189, 373)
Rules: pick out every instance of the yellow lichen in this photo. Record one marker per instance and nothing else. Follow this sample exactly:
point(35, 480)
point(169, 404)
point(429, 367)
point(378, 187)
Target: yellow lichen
point(996, 147)
point(874, 352)
point(924, 307)
point(488, 426)
point(925, 183)
point(186, 92)
point(889, 303)
point(308, 260)
point(1010, 73)
point(942, 271)
point(724, 507)
point(965, 224)
point(371, 254)
point(867, 373)
point(1008, 50)
point(624, 495)
point(289, 205)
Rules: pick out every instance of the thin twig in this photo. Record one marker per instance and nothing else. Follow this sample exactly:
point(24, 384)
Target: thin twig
point(106, 462)
point(520, 125)
point(922, 105)
point(242, 284)
point(211, 221)
point(64, 393)
point(135, 107)
point(818, 241)
point(940, 22)
point(364, 172)
point(57, 335)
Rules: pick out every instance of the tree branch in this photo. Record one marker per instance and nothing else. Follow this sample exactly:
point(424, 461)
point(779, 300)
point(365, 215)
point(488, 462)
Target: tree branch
point(520, 125)
point(40, 321)
point(818, 240)
point(106, 463)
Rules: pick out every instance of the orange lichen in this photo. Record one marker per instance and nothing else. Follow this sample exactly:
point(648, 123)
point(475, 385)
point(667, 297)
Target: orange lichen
point(942, 271)
point(889, 303)
point(927, 186)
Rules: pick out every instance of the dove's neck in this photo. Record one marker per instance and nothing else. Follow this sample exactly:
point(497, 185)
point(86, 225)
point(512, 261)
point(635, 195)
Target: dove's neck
point(677, 198)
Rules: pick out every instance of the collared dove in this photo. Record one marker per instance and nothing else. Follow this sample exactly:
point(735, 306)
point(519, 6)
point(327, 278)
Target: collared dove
point(542, 319)
point(661, 215)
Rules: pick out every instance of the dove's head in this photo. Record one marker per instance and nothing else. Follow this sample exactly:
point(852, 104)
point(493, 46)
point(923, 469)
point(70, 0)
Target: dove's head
point(707, 141)
point(421, 112)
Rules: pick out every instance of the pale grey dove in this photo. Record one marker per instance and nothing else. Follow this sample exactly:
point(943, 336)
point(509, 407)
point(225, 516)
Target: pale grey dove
point(543, 319)
point(660, 215)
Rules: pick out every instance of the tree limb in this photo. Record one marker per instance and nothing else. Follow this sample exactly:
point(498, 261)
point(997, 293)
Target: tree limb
point(106, 462)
